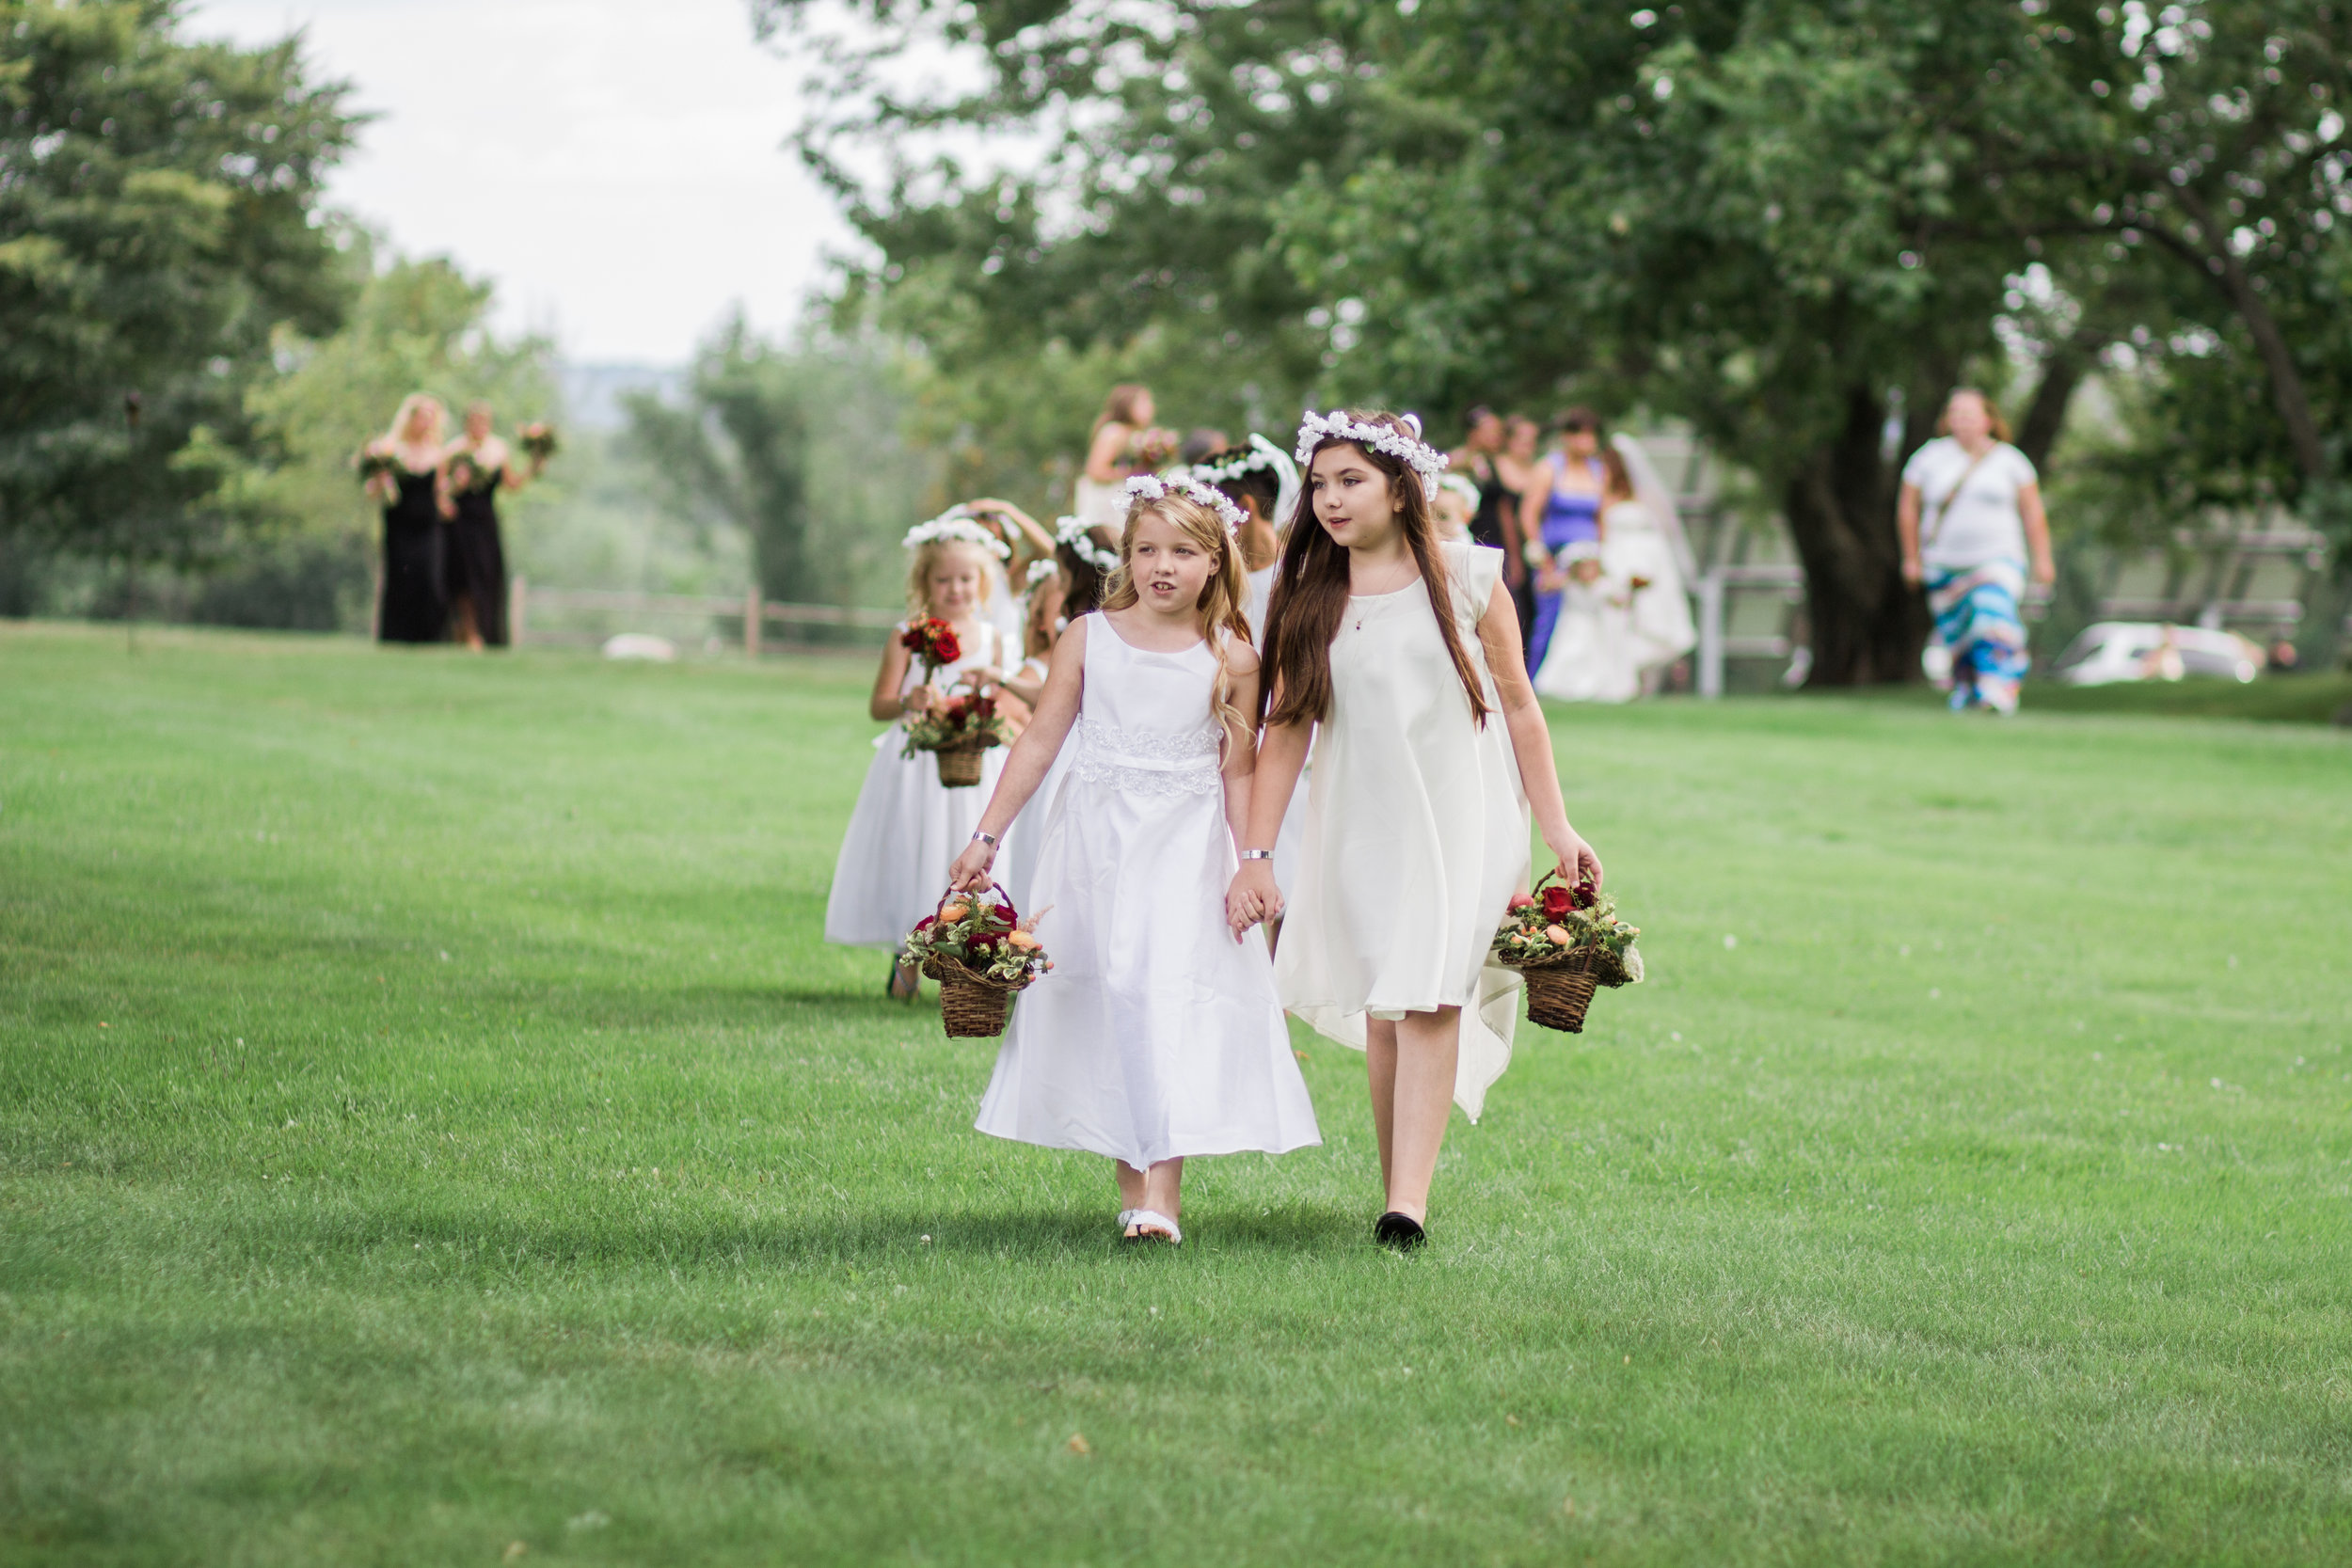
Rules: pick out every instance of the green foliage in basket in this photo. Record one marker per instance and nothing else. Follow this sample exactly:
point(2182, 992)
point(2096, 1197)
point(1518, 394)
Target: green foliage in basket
point(981, 931)
point(1557, 920)
point(967, 719)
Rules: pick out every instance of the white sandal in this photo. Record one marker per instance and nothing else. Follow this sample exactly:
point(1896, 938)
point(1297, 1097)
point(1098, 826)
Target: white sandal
point(1153, 1218)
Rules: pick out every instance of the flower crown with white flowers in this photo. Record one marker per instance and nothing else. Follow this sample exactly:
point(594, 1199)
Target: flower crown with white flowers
point(1042, 568)
point(1153, 488)
point(1411, 450)
point(1074, 533)
point(956, 523)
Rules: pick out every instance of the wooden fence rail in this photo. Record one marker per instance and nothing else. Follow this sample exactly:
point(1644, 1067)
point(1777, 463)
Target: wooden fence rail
point(754, 613)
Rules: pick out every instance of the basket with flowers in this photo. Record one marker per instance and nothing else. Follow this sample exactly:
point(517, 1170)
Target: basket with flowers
point(1567, 941)
point(538, 441)
point(981, 952)
point(958, 732)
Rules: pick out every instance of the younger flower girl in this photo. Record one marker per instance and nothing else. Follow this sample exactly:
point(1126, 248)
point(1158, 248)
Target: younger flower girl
point(1157, 1036)
point(907, 824)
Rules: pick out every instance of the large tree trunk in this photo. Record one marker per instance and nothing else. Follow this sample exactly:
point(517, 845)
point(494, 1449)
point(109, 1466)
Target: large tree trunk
point(1867, 623)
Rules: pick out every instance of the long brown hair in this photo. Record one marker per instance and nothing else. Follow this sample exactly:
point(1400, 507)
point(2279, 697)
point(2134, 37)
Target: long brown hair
point(1310, 591)
point(1120, 407)
point(1081, 591)
point(1221, 618)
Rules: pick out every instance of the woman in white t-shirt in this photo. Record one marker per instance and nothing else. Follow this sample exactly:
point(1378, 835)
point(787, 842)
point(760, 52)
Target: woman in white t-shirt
point(1972, 527)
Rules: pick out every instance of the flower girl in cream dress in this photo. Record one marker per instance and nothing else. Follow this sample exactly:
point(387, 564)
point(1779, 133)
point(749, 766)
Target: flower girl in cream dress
point(1402, 654)
point(1157, 1036)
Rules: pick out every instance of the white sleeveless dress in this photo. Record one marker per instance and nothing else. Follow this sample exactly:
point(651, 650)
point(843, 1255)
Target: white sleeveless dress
point(908, 827)
point(1156, 1035)
point(1416, 833)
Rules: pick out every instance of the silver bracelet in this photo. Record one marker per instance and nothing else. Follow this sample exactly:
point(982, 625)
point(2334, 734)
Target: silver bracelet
point(989, 839)
point(1257, 854)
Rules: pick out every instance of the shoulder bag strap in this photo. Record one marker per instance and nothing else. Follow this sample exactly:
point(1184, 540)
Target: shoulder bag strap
point(1933, 523)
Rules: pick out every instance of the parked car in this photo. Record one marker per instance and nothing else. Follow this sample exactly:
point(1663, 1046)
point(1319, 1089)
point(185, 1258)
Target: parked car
point(2113, 651)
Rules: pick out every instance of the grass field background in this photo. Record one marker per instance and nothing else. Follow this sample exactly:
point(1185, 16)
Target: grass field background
point(432, 1131)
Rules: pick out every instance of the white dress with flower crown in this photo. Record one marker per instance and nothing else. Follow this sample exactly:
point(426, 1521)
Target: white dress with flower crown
point(1155, 1035)
point(1416, 833)
point(908, 828)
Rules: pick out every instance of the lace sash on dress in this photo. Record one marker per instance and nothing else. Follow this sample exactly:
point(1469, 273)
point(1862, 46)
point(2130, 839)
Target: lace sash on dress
point(1148, 763)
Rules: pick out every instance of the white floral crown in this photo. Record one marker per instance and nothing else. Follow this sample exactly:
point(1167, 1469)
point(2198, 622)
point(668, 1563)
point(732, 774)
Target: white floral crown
point(1042, 568)
point(1073, 532)
point(1411, 450)
point(1152, 487)
point(1462, 485)
point(956, 523)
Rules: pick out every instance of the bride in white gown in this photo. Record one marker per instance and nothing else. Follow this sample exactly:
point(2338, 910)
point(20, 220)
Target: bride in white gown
point(1624, 615)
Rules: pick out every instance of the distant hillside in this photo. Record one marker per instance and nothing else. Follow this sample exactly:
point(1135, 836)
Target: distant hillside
point(592, 393)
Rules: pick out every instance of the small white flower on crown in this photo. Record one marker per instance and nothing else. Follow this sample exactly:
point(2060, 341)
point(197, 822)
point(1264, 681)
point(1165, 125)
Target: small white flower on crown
point(1411, 451)
point(1073, 532)
point(1153, 488)
point(956, 523)
point(1042, 568)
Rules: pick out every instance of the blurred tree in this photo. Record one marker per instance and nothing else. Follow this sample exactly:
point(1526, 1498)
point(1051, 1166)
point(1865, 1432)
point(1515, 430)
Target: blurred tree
point(158, 222)
point(1796, 223)
point(799, 446)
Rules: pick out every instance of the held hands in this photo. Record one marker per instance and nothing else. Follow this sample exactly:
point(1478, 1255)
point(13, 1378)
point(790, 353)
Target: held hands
point(922, 699)
point(1251, 897)
point(970, 872)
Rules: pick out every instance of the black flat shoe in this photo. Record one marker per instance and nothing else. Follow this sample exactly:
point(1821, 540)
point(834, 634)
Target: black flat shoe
point(1401, 1232)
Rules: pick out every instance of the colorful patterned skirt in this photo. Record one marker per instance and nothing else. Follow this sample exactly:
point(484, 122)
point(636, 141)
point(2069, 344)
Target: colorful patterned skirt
point(1976, 617)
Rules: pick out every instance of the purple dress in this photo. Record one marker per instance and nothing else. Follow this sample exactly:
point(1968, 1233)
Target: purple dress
point(1568, 519)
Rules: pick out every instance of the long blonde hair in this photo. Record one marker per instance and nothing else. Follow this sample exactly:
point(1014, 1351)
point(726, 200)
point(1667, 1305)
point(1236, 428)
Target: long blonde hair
point(398, 434)
point(927, 556)
point(1220, 611)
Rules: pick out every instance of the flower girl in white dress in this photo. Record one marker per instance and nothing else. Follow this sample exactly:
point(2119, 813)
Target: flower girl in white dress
point(1402, 654)
point(1157, 1036)
point(908, 825)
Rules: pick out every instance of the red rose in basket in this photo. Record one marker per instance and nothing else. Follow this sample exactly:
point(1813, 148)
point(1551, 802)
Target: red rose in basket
point(981, 952)
point(1567, 941)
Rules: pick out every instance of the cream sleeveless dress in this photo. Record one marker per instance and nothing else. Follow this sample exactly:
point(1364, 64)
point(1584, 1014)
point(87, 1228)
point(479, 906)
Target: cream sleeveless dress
point(908, 827)
point(1416, 833)
point(1155, 1035)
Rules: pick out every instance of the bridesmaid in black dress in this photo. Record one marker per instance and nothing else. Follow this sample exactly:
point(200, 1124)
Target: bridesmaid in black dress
point(413, 606)
point(481, 465)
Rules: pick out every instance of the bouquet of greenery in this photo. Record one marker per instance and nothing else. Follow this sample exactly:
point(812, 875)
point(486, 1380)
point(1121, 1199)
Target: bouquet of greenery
point(981, 952)
point(1567, 941)
point(467, 473)
point(537, 440)
point(375, 461)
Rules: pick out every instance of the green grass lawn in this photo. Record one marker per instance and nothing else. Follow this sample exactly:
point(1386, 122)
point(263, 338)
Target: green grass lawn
point(432, 1132)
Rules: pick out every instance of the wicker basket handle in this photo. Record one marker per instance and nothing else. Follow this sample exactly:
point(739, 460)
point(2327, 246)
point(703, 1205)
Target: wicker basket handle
point(998, 888)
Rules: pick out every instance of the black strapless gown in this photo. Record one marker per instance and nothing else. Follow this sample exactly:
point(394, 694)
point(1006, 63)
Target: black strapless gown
point(477, 561)
point(416, 604)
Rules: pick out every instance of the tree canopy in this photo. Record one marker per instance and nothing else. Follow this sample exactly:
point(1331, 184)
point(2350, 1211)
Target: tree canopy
point(158, 223)
point(1794, 223)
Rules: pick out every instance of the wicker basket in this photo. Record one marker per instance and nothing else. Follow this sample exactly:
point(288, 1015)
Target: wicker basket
point(971, 1004)
point(960, 768)
point(1560, 989)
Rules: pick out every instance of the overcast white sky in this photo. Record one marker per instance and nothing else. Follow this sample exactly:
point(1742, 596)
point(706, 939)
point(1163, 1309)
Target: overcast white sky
point(616, 167)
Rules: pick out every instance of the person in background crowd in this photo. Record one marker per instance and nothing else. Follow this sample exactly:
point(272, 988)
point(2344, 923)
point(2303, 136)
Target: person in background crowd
point(1124, 443)
point(1515, 469)
point(1560, 518)
point(480, 466)
point(1972, 527)
point(412, 603)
